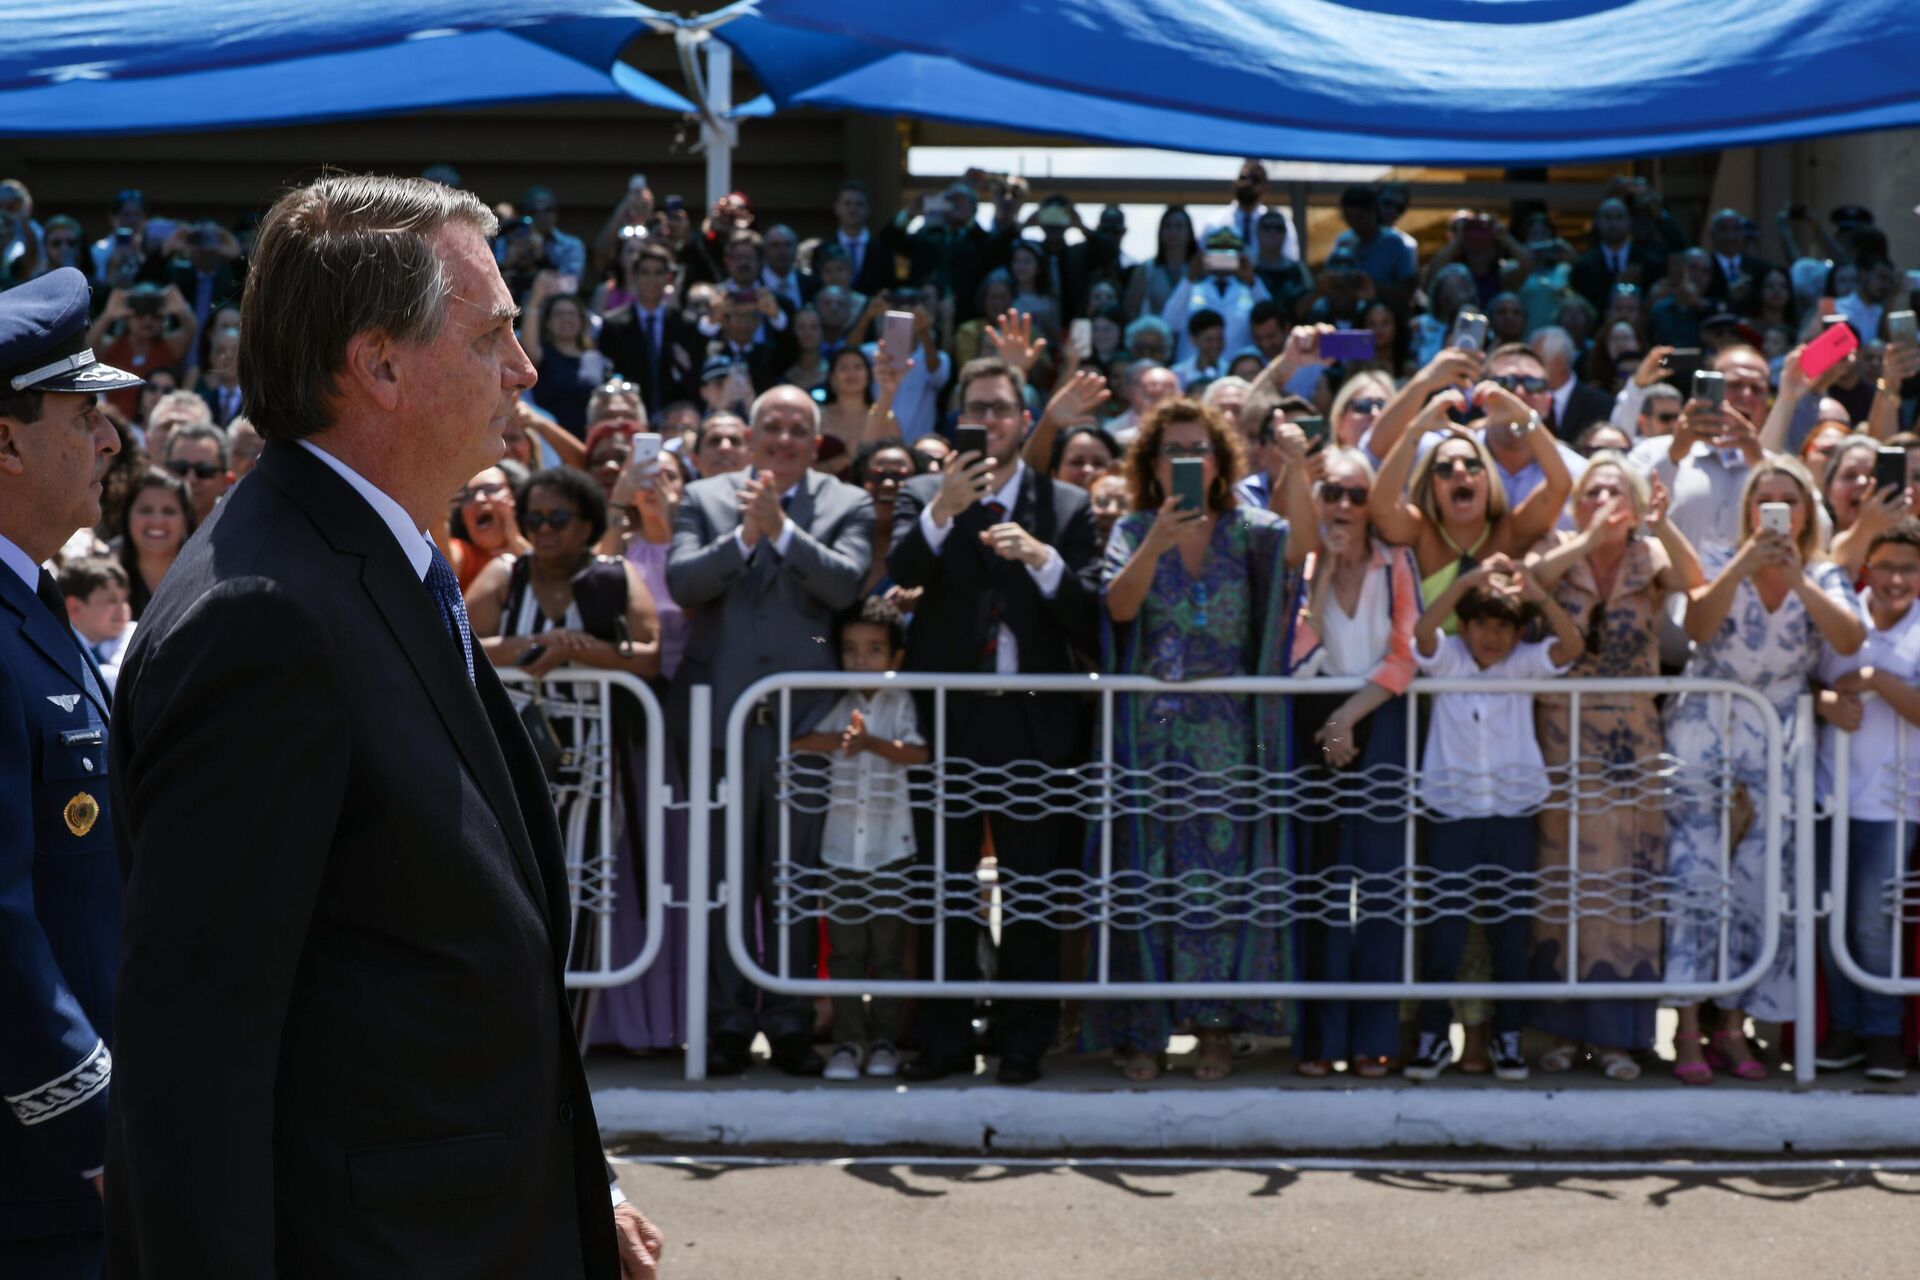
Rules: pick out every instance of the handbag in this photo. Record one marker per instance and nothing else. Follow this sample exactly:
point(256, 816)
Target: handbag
point(557, 759)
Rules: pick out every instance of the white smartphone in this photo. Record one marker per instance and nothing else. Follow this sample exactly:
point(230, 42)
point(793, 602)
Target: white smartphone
point(646, 453)
point(897, 330)
point(1080, 333)
point(638, 182)
point(1221, 263)
point(1776, 517)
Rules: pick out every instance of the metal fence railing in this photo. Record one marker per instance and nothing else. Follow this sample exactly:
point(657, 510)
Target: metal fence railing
point(1896, 899)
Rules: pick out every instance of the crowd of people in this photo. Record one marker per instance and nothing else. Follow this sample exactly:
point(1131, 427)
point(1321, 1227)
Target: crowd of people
point(1579, 447)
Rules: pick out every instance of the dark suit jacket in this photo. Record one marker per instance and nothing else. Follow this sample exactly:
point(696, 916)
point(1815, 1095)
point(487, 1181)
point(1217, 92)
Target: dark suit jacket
point(624, 341)
point(876, 271)
point(221, 417)
point(59, 922)
point(1594, 282)
point(768, 361)
point(1587, 405)
point(1722, 288)
point(965, 580)
point(344, 1045)
point(956, 260)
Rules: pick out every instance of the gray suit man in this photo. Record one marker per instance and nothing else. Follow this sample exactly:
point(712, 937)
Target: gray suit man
point(763, 561)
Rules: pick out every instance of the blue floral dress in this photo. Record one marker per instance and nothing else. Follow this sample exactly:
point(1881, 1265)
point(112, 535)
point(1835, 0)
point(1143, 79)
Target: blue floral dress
point(1231, 619)
point(1773, 654)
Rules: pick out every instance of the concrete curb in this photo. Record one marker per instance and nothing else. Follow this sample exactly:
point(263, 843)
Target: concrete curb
point(1646, 1120)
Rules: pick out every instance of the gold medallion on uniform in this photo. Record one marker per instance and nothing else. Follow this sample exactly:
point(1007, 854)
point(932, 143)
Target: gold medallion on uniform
point(81, 813)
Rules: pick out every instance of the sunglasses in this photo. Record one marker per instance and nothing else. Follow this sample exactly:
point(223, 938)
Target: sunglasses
point(1334, 494)
point(1366, 404)
point(1447, 468)
point(1673, 416)
point(1517, 382)
point(1200, 450)
point(200, 470)
point(535, 521)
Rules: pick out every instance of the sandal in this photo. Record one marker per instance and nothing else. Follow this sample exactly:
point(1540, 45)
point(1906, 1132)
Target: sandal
point(1560, 1058)
point(1141, 1067)
point(1374, 1068)
point(1313, 1068)
point(1747, 1068)
point(1693, 1073)
point(1616, 1064)
point(1213, 1061)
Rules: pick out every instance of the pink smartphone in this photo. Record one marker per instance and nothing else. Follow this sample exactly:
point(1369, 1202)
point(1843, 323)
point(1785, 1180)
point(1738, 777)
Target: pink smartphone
point(898, 333)
point(1827, 350)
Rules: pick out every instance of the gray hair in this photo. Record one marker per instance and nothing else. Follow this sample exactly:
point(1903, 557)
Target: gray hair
point(1343, 455)
point(1219, 386)
point(201, 431)
point(1551, 340)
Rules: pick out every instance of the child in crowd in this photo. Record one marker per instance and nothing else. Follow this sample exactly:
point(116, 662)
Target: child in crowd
point(873, 739)
point(97, 606)
point(1481, 777)
point(1883, 814)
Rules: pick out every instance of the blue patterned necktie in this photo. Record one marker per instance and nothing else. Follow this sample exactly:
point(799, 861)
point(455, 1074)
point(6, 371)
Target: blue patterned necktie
point(445, 589)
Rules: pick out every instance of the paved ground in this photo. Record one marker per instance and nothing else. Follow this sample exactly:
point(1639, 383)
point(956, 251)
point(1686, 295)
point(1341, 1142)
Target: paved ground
point(898, 1221)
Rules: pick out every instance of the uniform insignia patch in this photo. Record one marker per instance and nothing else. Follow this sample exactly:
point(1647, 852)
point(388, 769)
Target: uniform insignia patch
point(81, 813)
point(64, 701)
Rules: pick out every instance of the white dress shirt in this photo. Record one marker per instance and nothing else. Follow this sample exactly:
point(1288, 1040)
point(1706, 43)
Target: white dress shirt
point(1006, 654)
point(21, 563)
point(1482, 758)
point(1228, 296)
point(870, 823)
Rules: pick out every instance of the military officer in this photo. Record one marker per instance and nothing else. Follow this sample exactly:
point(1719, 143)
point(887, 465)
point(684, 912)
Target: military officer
point(59, 879)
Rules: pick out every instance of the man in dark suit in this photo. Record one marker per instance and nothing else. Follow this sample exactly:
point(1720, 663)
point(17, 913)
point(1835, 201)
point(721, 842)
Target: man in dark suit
point(343, 1035)
point(871, 262)
point(1616, 257)
point(1575, 405)
point(782, 272)
point(59, 888)
point(763, 560)
point(1727, 241)
point(747, 336)
point(950, 249)
point(650, 341)
point(1008, 568)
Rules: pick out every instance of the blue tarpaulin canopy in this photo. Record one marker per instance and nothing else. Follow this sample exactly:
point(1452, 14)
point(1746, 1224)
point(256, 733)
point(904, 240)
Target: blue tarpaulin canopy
point(1499, 82)
point(149, 66)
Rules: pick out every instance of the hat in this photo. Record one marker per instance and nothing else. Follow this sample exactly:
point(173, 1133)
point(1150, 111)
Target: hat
point(1851, 215)
point(43, 339)
point(716, 367)
point(1728, 320)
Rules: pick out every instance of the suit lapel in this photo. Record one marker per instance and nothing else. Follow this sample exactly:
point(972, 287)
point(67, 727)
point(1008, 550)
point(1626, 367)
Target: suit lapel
point(351, 526)
point(58, 643)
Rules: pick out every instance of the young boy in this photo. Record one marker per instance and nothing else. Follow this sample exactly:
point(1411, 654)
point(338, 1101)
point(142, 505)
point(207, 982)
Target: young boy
point(873, 738)
point(1482, 761)
point(96, 592)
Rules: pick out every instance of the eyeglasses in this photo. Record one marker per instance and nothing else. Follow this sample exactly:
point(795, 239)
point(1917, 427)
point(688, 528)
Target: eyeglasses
point(1887, 570)
point(199, 470)
point(1447, 468)
point(1200, 450)
point(535, 521)
point(1335, 494)
point(1366, 404)
point(980, 410)
point(1518, 382)
point(483, 491)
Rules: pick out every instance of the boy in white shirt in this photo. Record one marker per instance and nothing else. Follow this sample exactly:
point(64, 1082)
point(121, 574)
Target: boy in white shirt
point(1481, 776)
point(873, 739)
point(95, 589)
point(1883, 802)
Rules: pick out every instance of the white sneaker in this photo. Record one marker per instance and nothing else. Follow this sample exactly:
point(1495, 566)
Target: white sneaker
point(883, 1061)
point(1434, 1056)
point(843, 1063)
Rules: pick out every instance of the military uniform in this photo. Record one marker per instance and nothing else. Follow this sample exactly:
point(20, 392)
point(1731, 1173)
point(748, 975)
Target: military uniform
point(59, 879)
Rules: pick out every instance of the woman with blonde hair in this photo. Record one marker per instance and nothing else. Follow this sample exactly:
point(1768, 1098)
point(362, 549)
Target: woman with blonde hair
point(1612, 579)
point(1769, 610)
point(1358, 407)
point(1193, 595)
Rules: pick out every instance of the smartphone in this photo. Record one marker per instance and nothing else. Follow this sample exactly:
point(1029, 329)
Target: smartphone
point(935, 207)
point(1709, 387)
point(1348, 344)
point(1190, 483)
point(1469, 332)
point(646, 453)
point(1080, 333)
point(567, 283)
point(1890, 470)
point(1316, 432)
point(533, 654)
point(637, 183)
point(675, 204)
point(1828, 350)
point(740, 377)
point(1900, 326)
point(897, 331)
point(1055, 216)
point(1913, 281)
point(1679, 357)
point(1478, 230)
point(970, 438)
point(1222, 263)
point(1776, 517)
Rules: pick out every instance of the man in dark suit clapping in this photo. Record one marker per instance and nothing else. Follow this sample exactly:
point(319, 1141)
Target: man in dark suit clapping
point(1008, 568)
point(343, 1043)
point(762, 561)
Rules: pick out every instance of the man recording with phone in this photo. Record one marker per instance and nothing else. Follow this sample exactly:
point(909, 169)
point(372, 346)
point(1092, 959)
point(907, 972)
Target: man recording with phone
point(1007, 565)
point(1715, 442)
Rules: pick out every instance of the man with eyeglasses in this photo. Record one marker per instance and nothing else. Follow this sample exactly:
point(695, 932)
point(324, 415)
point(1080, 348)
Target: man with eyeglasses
point(197, 453)
point(1510, 415)
point(1007, 566)
point(1705, 461)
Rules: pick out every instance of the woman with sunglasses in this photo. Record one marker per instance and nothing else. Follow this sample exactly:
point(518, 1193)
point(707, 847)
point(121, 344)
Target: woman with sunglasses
point(1761, 620)
point(1191, 595)
point(1362, 601)
point(1358, 407)
point(1613, 581)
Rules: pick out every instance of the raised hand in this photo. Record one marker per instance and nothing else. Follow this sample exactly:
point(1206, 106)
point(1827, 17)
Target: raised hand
point(1078, 397)
point(1013, 340)
point(1653, 367)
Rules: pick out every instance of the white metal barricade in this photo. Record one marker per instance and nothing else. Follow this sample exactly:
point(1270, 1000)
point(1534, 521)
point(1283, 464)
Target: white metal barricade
point(1100, 791)
point(588, 799)
point(1899, 896)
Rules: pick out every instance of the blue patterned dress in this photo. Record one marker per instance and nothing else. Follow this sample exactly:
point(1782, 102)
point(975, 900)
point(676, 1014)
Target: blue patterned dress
point(1772, 654)
point(1229, 620)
